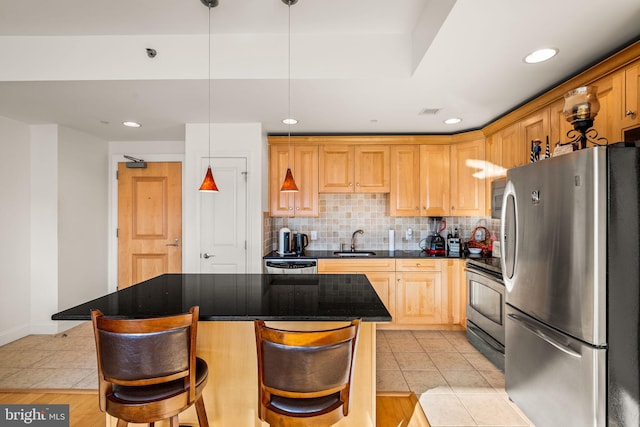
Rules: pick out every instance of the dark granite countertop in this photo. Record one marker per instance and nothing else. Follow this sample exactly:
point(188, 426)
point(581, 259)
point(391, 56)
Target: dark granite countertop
point(243, 297)
point(378, 254)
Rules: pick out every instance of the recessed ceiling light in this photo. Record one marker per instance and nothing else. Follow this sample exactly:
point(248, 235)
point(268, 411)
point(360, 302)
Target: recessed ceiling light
point(540, 55)
point(290, 121)
point(453, 121)
point(131, 124)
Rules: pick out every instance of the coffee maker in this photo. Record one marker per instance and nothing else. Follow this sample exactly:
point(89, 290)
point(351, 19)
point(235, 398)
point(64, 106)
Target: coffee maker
point(300, 241)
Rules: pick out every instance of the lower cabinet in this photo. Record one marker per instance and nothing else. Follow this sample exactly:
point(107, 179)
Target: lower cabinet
point(421, 288)
point(419, 293)
point(380, 272)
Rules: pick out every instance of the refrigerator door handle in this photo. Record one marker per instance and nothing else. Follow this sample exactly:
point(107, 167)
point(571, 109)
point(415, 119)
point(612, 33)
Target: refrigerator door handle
point(545, 336)
point(509, 235)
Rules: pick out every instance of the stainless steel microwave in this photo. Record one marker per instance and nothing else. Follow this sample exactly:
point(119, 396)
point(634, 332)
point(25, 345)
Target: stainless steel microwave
point(497, 191)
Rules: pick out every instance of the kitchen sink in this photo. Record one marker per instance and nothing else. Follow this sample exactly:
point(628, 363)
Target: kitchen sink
point(354, 253)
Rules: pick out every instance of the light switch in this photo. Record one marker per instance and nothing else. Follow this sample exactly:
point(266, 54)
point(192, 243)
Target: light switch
point(314, 235)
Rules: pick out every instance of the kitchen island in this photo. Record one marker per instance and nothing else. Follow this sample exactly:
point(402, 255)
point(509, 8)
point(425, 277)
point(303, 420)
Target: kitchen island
point(228, 305)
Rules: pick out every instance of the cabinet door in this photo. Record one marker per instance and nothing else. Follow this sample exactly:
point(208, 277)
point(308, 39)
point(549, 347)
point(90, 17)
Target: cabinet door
point(420, 298)
point(628, 82)
point(493, 156)
point(535, 126)
point(467, 190)
point(560, 127)
point(434, 180)
point(371, 173)
point(336, 169)
point(514, 150)
point(306, 175)
point(404, 197)
point(280, 204)
point(385, 285)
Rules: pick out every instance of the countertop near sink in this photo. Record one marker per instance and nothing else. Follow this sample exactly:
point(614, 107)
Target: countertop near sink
point(378, 254)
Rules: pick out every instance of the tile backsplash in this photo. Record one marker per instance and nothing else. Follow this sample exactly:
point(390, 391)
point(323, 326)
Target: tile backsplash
point(342, 214)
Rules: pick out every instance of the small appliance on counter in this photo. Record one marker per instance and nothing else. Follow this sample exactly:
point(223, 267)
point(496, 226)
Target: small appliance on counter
point(284, 242)
point(300, 241)
point(434, 243)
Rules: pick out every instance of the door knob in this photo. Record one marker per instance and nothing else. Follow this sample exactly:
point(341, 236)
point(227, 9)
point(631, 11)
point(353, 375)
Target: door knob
point(175, 243)
point(207, 255)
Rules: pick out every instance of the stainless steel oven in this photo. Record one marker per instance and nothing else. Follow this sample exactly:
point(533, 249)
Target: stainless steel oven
point(486, 308)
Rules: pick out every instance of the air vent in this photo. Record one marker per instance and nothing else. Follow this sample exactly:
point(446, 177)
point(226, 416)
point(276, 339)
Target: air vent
point(429, 111)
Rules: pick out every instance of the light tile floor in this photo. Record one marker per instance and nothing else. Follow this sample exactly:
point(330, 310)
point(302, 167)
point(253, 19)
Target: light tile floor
point(66, 360)
point(456, 384)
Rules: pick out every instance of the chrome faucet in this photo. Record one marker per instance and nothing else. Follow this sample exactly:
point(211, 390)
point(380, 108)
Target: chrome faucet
point(353, 239)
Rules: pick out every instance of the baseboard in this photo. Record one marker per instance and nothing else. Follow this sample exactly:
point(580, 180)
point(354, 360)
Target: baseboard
point(13, 334)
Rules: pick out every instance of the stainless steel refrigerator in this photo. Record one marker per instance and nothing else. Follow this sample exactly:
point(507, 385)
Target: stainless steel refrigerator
point(571, 257)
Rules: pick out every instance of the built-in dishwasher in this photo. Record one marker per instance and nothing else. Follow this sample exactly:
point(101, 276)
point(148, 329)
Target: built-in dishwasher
point(291, 266)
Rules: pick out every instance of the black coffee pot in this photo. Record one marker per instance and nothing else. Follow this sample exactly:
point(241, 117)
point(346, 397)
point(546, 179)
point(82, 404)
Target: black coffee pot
point(300, 241)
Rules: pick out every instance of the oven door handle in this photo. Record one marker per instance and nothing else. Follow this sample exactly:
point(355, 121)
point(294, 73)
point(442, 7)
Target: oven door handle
point(544, 335)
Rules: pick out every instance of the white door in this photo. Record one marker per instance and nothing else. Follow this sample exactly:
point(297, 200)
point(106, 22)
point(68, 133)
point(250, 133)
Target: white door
point(223, 218)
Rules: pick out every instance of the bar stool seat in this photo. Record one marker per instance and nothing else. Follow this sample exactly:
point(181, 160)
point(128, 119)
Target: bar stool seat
point(147, 368)
point(305, 376)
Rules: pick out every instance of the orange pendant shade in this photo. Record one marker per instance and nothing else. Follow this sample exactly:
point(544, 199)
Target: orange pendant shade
point(289, 184)
point(209, 185)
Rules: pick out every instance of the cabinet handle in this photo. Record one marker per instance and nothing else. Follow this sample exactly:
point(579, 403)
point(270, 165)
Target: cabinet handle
point(417, 208)
point(453, 208)
point(357, 184)
point(630, 113)
point(290, 208)
point(349, 184)
point(297, 208)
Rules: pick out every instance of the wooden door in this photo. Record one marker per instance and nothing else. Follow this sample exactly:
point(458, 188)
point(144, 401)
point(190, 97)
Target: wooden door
point(371, 173)
point(149, 221)
point(467, 190)
point(434, 180)
point(404, 197)
point(336, 169)
point(305, 172)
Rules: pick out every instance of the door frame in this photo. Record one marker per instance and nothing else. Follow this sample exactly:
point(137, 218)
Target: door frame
point(112, 241)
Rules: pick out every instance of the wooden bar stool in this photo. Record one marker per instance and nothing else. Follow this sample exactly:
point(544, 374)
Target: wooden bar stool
point(147, 368)
point(305, 376)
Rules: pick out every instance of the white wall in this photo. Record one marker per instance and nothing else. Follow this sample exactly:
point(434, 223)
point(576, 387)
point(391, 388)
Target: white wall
point(228, 140)
point(14, 217)
point(44, 227)
point(82, 217)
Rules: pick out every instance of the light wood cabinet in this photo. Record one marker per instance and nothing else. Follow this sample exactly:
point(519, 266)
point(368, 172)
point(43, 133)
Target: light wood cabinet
point(380, 272)
point(434, 180)
point(422, 297)
point(304, 166)
point(627, 104)
point(404, 197)
point(535, 126)
point(354, 168)
point(420, 180)
point(467, 190)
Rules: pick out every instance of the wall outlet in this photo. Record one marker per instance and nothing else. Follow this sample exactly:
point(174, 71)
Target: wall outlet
point(314, 235)
point(409, 234)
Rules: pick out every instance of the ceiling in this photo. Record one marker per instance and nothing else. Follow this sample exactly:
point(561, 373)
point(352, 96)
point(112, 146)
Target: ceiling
point(357, 66)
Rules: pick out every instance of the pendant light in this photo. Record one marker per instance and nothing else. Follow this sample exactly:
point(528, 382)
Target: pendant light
point(209, 184)
point(289, 184)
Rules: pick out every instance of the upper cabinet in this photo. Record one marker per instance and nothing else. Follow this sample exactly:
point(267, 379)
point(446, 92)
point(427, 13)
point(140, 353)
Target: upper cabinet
point(467, 178)
point(627, 87)
point(354, 168)
point(420, 180)
point(304, 166)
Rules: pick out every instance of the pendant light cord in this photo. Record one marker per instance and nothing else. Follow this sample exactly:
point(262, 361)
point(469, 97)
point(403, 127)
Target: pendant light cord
point(209, 72)
point(289, 90)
